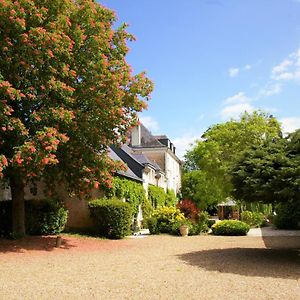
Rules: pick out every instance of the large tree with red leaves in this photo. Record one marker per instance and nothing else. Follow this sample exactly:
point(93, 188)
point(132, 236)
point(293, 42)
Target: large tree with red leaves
point(66, 93)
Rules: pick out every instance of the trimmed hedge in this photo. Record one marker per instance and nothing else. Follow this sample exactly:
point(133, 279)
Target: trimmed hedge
point(41, 217)
point(230, 227)
point(112, 217)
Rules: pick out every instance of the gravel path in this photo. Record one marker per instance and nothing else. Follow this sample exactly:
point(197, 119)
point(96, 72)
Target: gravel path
point(155, 267)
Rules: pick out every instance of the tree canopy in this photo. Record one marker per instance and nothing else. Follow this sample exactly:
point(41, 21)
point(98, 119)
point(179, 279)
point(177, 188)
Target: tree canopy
point(66, 93)
point(220, 147)
point(269, 172)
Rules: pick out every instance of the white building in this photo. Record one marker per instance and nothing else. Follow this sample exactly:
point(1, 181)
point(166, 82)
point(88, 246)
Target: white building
point(159, 150)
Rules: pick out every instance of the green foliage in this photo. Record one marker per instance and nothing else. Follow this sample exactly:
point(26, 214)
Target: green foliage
point(157, 196)
point(195, 228)
point(112, 217)
point(253, 219)
point(66, 92)
point(42, 217)
point(133, 192)
point(147, 208)
point(287, 215)
point(265, 209)
point(152, 225)
point(165, 217)
point(171, 198)
point(203, 190)
point(214, 155)
point(210, 223)
point(230, 227)
point(45, 217)
point(203, 217)
point(269, 172)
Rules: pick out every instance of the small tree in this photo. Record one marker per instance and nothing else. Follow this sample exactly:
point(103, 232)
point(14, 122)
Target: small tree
point(66, 93)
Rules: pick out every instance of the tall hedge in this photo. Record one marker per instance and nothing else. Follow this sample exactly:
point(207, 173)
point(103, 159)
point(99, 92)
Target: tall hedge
point(112, 217)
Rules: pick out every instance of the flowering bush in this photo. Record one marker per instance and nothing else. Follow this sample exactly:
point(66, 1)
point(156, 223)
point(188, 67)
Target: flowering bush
point(189, 209)
point(164, 218)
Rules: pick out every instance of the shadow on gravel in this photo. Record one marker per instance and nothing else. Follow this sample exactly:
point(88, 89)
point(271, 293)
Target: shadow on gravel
point(277, 263)
point(281, 242)
point(29, 243)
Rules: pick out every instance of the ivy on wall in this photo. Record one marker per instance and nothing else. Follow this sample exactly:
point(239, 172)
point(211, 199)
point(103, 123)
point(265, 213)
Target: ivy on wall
point(171, 199)
point(133, 192)
point(156, 196)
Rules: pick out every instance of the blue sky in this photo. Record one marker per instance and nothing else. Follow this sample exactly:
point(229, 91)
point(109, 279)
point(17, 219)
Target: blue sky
point(212, 59)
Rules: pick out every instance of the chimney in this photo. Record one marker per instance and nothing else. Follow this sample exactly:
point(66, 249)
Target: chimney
point(136, 136)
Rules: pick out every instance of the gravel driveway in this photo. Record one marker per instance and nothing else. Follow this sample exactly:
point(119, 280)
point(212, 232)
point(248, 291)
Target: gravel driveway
point(155, 267)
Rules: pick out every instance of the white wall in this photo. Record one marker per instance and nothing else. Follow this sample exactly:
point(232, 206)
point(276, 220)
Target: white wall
point(173, 172)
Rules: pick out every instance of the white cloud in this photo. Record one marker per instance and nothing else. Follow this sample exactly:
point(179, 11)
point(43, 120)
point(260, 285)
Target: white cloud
point(233, 72)
point(288, 69)
point(247, 67)
point(270, 90)
point(184, 143)
point(235, 110)
point(236, 105)
point(282, 67)
point(150, 123)
point(238, 98)
point(290, 124)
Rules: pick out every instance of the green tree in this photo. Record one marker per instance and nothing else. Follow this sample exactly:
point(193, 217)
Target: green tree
point(270, 172)
point(220, 147)
point(203, 190)
point(66, 92)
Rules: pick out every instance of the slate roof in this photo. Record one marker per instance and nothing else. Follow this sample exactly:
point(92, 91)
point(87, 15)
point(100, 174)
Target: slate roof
point(140, 158)
point(128, 173)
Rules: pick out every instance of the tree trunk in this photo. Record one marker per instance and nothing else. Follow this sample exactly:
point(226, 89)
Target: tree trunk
point(18, 206)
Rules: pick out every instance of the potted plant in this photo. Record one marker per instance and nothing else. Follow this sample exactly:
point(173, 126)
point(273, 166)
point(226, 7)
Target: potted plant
point(184, 230)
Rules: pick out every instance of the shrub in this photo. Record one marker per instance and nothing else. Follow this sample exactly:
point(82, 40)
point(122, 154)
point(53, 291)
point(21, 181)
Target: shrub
point(197, 228)
point(41, 217)
point(189, 209)
point(203, 217)
point(5, 218)
point(254, 219)
point(45, 217)
point(166, 216)
point(287, 215)
point(194, 228)
point(152, 225)
point(112, 217)
point(230, 227)
point(210, 223)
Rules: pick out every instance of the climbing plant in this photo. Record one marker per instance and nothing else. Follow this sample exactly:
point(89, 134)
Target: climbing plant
point(133, 192)
point(157, 196)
